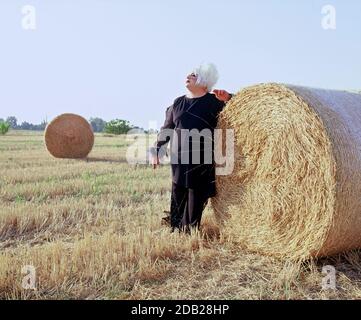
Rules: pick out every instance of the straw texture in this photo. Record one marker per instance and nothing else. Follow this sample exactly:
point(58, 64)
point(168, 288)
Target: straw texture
point(69, 136)
point(295, 191)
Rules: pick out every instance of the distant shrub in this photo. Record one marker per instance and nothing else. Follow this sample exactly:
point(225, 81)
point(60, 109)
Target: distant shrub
point(4, 127)
point(117, 126)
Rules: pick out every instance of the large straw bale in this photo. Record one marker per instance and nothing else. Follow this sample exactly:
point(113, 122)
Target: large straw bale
point(69, 136)
point(295, 191)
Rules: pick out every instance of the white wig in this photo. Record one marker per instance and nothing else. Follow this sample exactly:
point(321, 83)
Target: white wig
point(207, 75)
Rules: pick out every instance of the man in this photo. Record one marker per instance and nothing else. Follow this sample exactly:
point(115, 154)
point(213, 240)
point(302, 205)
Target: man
point(189, 125)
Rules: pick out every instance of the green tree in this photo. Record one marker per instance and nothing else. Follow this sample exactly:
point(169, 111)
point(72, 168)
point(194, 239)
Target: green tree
point(4, 127)
point(12, 121)
point(25, 126)
point(117, 126)
point(97, 124)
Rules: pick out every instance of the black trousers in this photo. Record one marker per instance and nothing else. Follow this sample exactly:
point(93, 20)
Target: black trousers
point(187, 206)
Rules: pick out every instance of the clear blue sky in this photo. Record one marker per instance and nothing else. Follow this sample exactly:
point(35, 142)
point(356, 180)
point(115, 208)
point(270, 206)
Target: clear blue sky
point(128, 59)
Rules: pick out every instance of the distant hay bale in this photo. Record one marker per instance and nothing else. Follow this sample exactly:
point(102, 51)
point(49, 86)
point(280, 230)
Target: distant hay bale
point(295, 191)
point(69, 136)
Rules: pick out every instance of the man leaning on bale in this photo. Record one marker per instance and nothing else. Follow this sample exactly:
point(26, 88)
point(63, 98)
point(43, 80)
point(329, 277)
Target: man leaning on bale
point(189, 125)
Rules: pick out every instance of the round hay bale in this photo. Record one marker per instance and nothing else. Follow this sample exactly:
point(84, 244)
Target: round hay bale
point(295, 191)
point(69, 136)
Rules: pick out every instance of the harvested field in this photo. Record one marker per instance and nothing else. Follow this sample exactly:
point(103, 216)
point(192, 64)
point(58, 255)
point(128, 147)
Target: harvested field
point(92, 229)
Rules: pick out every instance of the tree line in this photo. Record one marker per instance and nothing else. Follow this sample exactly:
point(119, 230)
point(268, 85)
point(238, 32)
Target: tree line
point(116, 126)
point(13, 124)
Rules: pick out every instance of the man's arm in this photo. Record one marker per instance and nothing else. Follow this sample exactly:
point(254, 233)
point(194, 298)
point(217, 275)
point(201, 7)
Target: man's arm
point(164, 135)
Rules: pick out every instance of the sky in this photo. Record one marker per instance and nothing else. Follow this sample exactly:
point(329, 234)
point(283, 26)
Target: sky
point(129, 59)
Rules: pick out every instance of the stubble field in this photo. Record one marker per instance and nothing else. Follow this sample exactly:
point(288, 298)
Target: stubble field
point(91, 229)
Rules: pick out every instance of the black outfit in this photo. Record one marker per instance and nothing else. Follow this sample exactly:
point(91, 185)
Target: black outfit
point(193, 181)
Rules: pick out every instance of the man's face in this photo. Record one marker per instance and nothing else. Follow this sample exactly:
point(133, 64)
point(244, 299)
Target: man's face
point(191, 81)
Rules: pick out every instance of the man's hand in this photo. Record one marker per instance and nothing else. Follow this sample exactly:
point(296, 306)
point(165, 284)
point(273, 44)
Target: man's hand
point(155, 161)
point(222, 95)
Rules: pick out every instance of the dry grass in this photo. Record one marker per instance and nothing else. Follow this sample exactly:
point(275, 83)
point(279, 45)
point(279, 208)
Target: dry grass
point(92, 231)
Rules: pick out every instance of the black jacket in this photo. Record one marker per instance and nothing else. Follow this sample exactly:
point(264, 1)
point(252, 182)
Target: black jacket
point(200, 114)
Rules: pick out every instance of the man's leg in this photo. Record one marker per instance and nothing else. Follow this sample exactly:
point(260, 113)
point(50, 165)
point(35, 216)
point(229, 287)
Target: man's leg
point(197, 201)
point(178, 205)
